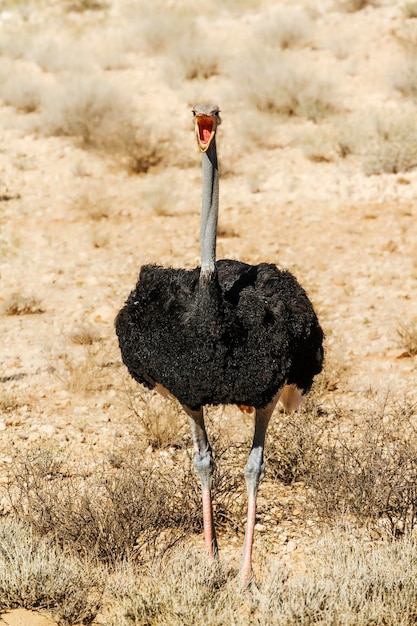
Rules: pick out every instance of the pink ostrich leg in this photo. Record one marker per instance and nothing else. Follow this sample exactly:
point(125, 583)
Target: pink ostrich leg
point(254, 472)
point(204, 466)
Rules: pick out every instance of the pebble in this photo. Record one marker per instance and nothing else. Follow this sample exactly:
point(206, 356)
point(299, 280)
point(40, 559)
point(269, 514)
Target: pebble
point(47, 429)
point(291, 546)
point(260, 527)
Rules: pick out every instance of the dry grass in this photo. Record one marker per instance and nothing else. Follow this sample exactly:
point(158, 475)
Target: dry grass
point(131, 511)
point(34, 574)
point(84, 335)
point(341, 581)
point(85, 371)
point(157, 29)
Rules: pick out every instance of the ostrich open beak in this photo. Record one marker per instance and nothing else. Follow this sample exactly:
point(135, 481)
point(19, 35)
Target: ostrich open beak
point(205, 128)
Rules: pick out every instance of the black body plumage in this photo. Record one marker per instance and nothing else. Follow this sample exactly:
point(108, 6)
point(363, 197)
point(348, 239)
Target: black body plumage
point(234, 338)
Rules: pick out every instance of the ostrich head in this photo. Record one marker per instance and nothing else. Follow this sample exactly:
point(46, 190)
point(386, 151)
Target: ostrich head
point(207, 119)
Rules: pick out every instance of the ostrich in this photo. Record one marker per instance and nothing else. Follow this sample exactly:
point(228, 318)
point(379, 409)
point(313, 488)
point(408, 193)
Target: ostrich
point(223, 333)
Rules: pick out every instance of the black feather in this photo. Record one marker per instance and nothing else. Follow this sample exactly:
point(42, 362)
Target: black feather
point(235, 339)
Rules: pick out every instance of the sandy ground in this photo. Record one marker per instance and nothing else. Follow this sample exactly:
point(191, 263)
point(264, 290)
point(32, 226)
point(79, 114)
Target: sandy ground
point(76, 225)
point(22, 617)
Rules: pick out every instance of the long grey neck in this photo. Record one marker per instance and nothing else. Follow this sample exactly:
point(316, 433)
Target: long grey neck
point(209, 210)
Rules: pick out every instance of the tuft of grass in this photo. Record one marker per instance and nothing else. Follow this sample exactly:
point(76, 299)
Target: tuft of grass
point(84, 335)
point(407, 334)
point(18, 303)
point(85, 373)
point(35, 575)
point(158, 29)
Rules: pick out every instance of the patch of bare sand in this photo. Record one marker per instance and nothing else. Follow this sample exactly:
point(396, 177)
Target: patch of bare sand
point(22, 617)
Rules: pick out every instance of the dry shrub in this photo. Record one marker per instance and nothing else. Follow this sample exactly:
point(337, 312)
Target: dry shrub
point(93, 203)
point(21, 85)
point(405, 77)
point(284, 28)
point(35, 575)
point(8, 402)
point(294, 445)
point(80, 376)
point(157, 28)
point(175, 34)
point(162, 421)
point(410, 10)
point(371, 475)
point(386, 143)
point(318, 144)
point(238, 6)
point(277, 82)
point(351, 6)
point(79, 6)
point(136, 506)
point(94, 111)
point(18, 303)
point(193, 58)
point(160, 194)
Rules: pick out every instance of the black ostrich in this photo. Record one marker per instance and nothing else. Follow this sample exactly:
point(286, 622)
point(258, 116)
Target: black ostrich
point(223, 333)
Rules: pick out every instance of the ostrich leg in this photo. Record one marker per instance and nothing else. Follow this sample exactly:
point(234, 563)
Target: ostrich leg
point(204, 466)
point(254, 472)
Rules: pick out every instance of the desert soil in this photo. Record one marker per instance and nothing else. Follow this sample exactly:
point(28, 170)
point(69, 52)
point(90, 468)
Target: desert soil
point(76, 224)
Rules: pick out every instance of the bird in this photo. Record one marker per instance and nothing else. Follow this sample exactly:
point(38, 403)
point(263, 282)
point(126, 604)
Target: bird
point(225, 332)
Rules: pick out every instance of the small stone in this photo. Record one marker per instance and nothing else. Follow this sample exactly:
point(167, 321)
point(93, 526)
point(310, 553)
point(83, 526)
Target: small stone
point(3, 425)
point(260, 527)
point(47, 429)
point(291, 546)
